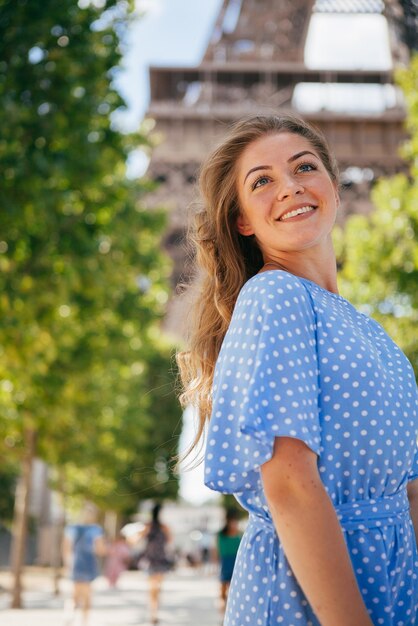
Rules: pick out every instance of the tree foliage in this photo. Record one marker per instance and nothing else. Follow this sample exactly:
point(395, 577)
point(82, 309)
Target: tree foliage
point(82, 279)
point(379, 253)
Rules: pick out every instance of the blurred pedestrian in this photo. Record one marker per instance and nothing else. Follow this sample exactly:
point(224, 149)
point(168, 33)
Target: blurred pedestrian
point(228, 541)
point(83, 543)
point(117, 559)
point(157, 538)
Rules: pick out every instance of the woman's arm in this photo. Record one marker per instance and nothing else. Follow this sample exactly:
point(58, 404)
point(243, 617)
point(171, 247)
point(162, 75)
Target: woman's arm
point(100, 547)
point(67, 551)
point(310, 533)
point(215, 557)
point(412, 489)
point(167, 533)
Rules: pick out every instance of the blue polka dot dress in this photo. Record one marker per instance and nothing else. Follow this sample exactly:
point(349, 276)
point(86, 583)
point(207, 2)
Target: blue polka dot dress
point(299, 361)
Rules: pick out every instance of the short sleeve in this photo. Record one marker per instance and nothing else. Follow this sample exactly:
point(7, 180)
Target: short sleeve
point(97, 531)
point(265, 383)
point(69, 533)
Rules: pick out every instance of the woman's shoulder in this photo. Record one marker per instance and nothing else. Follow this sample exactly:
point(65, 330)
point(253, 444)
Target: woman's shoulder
point(270, 286)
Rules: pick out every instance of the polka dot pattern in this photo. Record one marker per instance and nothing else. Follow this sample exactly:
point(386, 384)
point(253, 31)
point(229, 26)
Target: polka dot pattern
point(299, 361)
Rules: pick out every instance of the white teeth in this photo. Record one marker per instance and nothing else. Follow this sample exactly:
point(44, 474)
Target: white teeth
point(303, 209)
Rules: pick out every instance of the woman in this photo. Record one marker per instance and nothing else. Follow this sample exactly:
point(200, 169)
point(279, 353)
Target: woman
point(228, 540)
point(313, 408)
point(157, 537)
point(83, 543)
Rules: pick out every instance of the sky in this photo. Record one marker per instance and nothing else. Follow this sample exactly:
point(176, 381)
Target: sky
point(176, 32)
point(168, 32)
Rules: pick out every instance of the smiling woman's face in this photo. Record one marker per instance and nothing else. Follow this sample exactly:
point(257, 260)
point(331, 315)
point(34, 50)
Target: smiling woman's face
point(287, 198)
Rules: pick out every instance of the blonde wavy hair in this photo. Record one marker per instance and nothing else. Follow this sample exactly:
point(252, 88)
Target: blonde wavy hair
point(225, 259)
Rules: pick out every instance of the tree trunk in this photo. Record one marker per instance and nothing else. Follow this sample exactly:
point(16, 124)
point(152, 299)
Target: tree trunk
point(20, 522)
point(59, 528)
point(56, 556)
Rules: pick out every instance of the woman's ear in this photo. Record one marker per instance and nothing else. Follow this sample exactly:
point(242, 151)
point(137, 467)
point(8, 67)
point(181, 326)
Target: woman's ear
point(243, 226)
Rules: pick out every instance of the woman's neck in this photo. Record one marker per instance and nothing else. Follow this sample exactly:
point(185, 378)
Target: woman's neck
point(323, 273)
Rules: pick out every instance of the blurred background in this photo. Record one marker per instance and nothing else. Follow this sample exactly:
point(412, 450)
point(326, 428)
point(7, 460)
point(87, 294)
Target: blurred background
point(107, 109)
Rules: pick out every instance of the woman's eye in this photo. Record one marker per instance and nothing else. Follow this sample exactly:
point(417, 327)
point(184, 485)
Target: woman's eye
point(306, 167)
point(260, 182)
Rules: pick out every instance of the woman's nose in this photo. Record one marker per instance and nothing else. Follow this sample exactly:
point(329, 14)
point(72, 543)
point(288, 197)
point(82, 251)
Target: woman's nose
point(288, 187)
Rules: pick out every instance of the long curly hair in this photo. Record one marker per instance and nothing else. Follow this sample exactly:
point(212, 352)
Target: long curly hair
point(226, 259)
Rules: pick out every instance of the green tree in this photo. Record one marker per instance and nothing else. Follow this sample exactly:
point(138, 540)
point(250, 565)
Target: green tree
point(379, 253)
point(82, 280)
point(135, 434)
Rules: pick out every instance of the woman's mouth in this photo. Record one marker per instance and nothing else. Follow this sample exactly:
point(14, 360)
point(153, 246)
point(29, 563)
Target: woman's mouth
point(300, 211)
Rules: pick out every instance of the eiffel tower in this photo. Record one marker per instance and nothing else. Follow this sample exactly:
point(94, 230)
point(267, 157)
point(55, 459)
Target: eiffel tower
point(254, 63)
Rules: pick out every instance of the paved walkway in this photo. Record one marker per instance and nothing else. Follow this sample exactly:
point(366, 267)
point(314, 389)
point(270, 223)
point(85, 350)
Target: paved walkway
point(188, 599)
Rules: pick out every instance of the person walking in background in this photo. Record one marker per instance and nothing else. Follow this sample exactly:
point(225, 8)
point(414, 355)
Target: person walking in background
point(313, 408)
point(228, 541)
point(83, 543)
point(117, 559)
point(157, 538)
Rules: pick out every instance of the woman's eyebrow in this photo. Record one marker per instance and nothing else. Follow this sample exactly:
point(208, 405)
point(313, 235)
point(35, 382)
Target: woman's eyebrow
point(299, 154)
point(257, 167)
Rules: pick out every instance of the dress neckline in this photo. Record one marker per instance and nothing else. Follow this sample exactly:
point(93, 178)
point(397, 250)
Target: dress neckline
point(311, 282)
